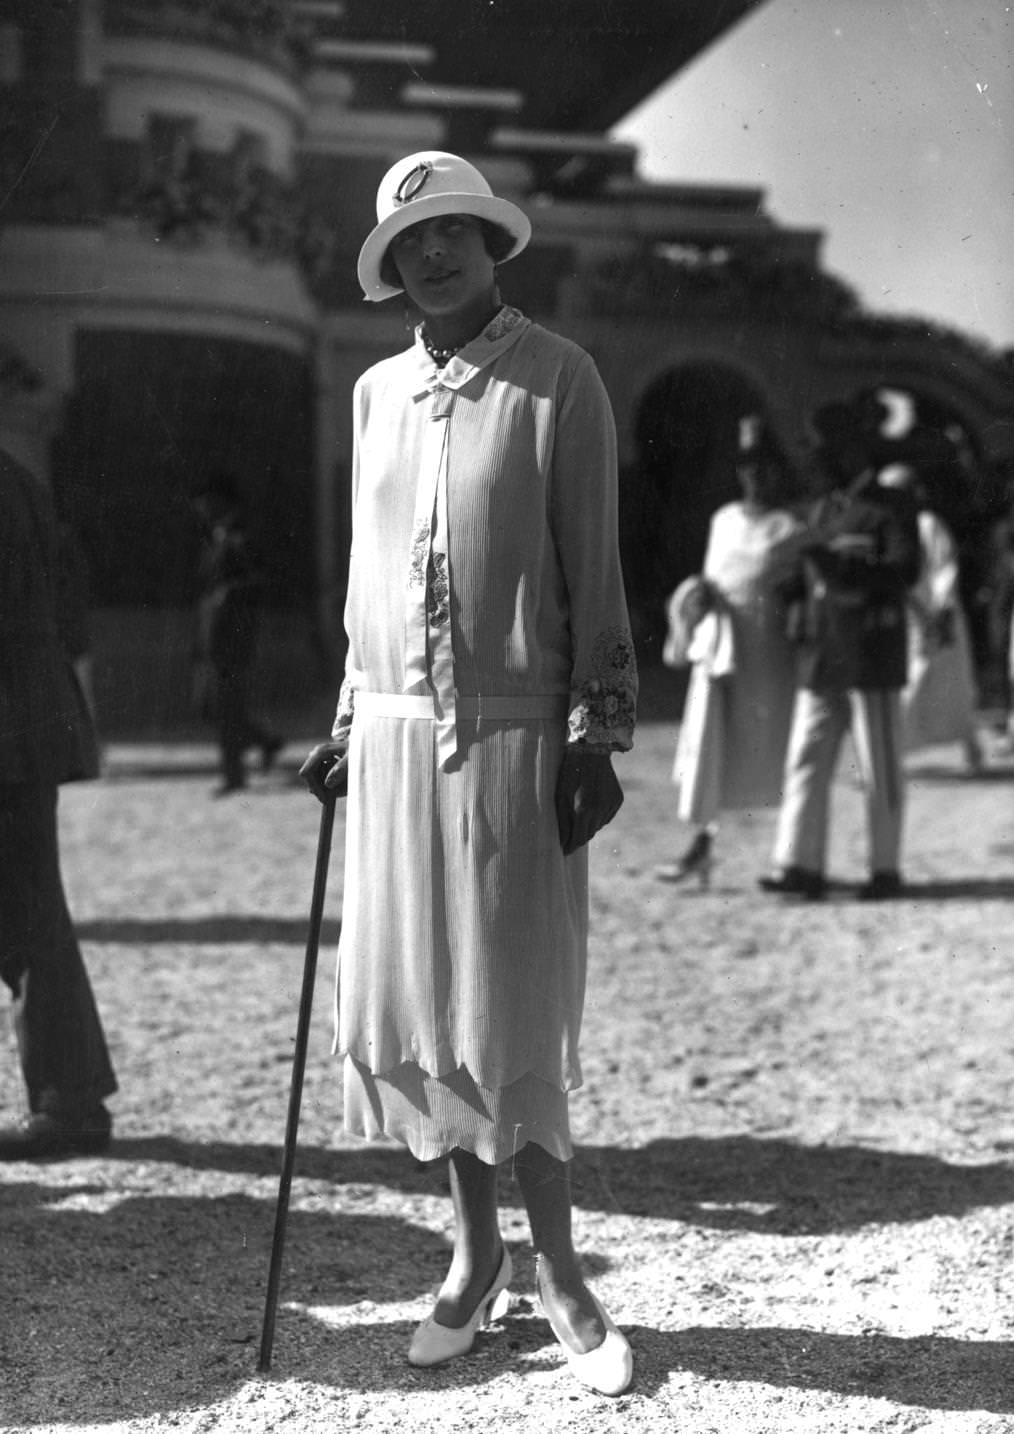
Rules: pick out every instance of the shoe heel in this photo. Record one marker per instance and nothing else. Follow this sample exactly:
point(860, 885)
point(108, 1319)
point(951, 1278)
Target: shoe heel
point(498, 1307)
point(697, 861)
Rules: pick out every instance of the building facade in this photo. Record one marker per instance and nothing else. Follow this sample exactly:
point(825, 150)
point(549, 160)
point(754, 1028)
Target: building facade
point(188, 184)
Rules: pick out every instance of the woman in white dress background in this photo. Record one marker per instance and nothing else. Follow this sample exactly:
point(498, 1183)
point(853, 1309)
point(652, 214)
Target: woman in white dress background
point(938, 702)
point(730, 623)
point(490, 676)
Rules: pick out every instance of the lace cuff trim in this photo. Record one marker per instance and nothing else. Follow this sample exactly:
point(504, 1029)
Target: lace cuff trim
point(343, 716)
point(604, 706)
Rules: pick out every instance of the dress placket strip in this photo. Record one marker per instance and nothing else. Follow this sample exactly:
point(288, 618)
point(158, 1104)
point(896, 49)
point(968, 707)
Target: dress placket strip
point(439, 598)
point(420, 557)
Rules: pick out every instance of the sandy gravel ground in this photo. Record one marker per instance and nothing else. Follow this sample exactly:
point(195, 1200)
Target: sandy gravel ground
point(794, 1185)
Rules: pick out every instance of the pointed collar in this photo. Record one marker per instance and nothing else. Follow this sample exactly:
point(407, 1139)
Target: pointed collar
point(503, 330)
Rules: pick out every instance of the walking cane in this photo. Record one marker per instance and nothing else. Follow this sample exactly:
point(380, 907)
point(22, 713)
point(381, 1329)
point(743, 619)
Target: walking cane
point(296, 1089)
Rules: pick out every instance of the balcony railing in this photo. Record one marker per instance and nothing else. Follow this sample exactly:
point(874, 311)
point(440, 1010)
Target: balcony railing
point(266, 30)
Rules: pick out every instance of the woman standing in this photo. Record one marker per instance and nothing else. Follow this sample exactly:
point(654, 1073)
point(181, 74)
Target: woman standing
point(490, 675)
point(730, 624)
point(938, 700)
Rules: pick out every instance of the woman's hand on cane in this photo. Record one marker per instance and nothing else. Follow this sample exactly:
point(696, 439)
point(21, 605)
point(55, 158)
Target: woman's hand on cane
point(326, 769)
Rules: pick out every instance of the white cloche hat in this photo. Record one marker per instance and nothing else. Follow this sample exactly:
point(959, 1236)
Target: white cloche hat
point(423, 186)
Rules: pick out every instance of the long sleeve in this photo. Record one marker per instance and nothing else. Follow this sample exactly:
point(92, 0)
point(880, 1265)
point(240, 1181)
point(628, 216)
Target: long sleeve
point(584, 521)
point(342, 724)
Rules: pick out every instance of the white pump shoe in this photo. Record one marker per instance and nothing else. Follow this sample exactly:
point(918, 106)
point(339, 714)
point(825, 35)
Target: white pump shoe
point(609, 1367)
point(435, 1343)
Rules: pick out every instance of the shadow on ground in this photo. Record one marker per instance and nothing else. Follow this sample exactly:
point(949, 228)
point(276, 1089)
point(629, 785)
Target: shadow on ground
point(282, 774)
point(970, 889)
point(345, 1272)
point(200, 930)
point(242, 928)
point(110, 1271)
point(973, 888)
point(949, 775)
point(778, 1187)
point(928, 1372)
point(773, 1187)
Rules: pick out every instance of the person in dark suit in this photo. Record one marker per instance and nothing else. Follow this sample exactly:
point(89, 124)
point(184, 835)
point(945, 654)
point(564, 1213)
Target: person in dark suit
point(228, 621)
point(46, 738)
point(858, 562)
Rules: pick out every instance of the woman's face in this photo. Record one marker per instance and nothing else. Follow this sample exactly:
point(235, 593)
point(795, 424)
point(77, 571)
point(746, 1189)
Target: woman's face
point(444, 265)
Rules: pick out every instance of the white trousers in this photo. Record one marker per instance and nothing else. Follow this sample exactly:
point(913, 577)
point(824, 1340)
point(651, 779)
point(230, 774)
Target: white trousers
point(819, 723)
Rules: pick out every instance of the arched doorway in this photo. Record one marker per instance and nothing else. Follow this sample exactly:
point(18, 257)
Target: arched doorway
point(686, 434)
point(154, 416)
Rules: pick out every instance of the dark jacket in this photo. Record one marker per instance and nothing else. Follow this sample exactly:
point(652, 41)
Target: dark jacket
point(861, 557)
point(46, 735)
point(228, 611)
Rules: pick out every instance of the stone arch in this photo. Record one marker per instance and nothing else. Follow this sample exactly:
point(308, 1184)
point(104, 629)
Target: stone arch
point(976, 395)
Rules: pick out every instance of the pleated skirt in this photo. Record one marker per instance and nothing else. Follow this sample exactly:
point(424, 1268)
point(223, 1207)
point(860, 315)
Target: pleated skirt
point(433, 1115)
point(463, 953)
point(730, 750)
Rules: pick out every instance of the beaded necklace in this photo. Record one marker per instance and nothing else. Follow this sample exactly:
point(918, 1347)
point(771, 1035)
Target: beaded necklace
point(441, 357)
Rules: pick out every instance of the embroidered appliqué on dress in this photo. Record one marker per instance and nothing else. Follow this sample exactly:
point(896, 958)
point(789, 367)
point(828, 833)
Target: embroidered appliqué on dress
point(502, 323)
point(607, 707)
point(437, 590)
point(346, 708)
point(418, 556)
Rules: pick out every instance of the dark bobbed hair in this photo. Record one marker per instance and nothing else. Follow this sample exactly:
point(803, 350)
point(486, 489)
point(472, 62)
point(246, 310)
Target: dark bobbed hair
point(498, 241)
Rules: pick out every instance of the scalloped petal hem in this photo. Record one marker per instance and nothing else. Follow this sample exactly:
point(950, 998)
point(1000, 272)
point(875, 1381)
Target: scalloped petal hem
point(434, 1115)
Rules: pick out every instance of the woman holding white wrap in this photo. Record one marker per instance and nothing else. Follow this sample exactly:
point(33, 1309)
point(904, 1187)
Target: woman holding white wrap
point(729, 624)
point(939, 699)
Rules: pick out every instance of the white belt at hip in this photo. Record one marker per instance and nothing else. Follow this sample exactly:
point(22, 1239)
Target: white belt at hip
point(520, 708)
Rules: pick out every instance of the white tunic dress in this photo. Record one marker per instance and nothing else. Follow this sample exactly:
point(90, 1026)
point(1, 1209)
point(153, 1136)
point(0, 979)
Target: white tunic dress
point(731, 746)
point(938, 702)
point(487, 627)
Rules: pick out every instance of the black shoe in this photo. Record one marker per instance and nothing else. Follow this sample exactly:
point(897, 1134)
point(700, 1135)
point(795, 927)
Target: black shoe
point(697, 860)
point(882, 886)
point(43, 1136)
point(795, 881)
